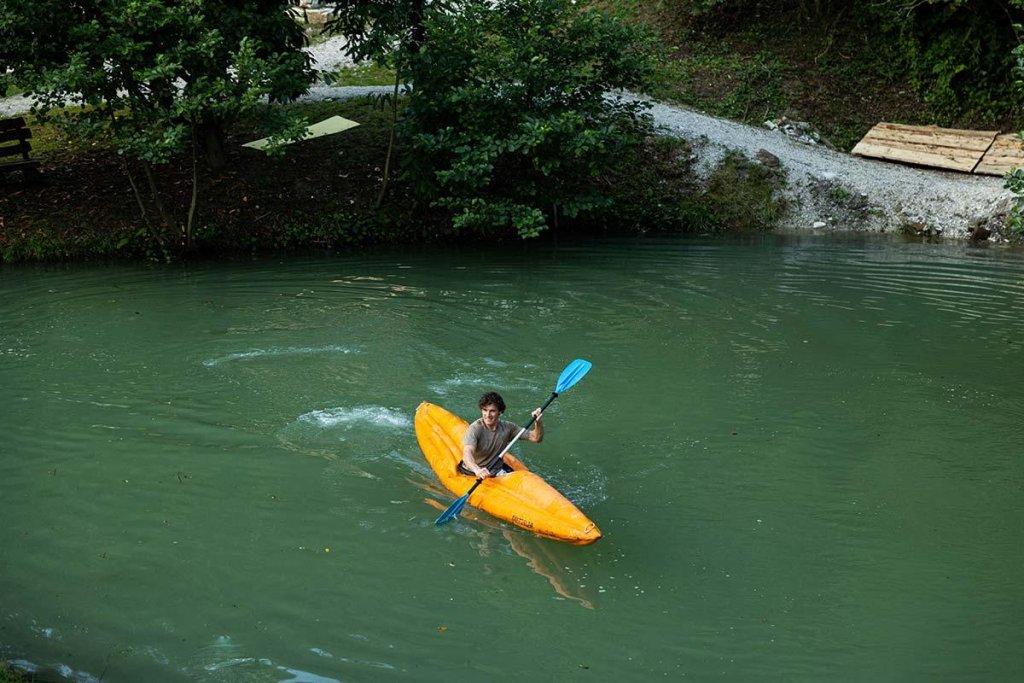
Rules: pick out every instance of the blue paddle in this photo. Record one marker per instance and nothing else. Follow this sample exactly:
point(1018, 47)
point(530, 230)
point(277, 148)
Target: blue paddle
point(572, 374)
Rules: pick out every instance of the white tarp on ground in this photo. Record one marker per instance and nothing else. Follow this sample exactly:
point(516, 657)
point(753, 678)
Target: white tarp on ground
point(335, 124)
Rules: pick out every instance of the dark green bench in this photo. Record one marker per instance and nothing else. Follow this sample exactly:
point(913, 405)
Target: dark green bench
point(14, 136)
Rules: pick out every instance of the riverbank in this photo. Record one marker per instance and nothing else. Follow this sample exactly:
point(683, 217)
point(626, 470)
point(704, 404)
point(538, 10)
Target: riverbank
point(323, 194)
point(826, 190)
point(829, 190)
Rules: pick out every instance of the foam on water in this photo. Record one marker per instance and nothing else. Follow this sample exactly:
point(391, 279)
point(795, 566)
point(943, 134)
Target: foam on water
point(322, 432)
point(224, 660)
point(378, 416)
point(585, 485)
point(445, 387)
point(276, 352)
point(77, 676)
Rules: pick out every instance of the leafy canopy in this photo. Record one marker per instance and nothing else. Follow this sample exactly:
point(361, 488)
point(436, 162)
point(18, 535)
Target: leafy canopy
point(150, 74)
point(514, 116)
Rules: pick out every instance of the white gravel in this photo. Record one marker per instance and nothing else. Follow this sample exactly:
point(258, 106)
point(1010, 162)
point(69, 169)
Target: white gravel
point(828, 190)
point(329, 55)
point(839, 191)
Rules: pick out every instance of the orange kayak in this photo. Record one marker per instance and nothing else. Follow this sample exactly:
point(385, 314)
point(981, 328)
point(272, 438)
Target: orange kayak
point(519, 497)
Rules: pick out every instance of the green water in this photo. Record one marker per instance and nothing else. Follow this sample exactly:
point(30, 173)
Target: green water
point(804, 454)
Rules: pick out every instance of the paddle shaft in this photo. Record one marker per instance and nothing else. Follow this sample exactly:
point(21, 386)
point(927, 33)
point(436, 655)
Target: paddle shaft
point(522, 431)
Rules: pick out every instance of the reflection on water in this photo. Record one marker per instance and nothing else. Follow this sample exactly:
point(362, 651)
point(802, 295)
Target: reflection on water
point(538, 552)
point(543, 562)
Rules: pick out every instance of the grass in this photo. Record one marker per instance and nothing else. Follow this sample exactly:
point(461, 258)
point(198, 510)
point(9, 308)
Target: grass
point(363, 74)
point(835, 71)
point(748, 89)
point(8, 88)
point(744, 196)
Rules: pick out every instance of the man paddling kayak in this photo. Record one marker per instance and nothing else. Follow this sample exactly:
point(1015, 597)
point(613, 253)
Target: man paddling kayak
point(487, 437)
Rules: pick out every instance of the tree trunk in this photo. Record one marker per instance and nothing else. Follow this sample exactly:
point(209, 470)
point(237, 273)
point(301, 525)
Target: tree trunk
point(417, 31)
point(187, 237)
point(210, 135)
point(154, 233)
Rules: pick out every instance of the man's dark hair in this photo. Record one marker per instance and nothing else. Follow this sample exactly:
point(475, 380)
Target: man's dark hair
point(492, 398)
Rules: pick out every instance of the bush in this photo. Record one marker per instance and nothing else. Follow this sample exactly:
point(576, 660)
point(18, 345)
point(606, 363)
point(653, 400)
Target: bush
point(744, 196)
point(511, 124)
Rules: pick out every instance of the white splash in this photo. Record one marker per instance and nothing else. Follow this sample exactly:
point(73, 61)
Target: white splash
point(347, 417)
point(67, 672)
point(276, 352)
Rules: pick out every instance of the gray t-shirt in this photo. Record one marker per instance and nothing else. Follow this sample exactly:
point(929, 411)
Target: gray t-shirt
point(487, 444)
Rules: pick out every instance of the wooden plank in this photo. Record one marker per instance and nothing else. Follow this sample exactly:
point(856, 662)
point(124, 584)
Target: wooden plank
point(934, 137)
point(15, 134)
point(21, 165)
point(949, 158)
point(1007, 152)
point(11, 124)
point(959, 132)
point(948, 148)
point(22, 149)
point(923, 148)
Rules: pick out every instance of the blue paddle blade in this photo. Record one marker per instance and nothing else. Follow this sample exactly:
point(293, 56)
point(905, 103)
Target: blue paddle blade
point(453, 511)
point(573, 373)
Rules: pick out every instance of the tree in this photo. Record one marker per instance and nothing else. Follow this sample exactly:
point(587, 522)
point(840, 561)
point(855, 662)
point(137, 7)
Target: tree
point(375, 29)
point(514, 115)
point(157, 78)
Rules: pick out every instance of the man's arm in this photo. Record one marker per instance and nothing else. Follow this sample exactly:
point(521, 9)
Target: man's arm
point(470, 463)
point(536, 435)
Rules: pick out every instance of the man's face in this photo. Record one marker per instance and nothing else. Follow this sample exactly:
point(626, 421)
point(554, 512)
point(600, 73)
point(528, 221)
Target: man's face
point(490, 414)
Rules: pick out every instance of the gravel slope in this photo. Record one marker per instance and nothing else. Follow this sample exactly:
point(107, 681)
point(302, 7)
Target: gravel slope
point(829, 190)
point(845, 192)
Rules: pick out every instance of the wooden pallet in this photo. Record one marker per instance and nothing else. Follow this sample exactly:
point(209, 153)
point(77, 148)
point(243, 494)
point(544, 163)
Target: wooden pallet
point(1006, 152)
point(968, 151)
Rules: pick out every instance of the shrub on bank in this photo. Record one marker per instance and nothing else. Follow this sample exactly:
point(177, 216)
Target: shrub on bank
point(320, 196)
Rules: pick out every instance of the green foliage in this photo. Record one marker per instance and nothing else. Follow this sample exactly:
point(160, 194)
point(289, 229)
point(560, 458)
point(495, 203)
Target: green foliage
point(376, 29)
point(157, 79)
point(1015, 178)
point(148, 71)
point(1015, 184)
point(654, 190)
point(744, 196)
point(959, 55)
point(8, 88)
point(844, 66)
point(334, 228)
point(838, 194)
point(754, 85)
point(361, 74)
point(508, 125)
point(49, 242)
point(313, 198)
